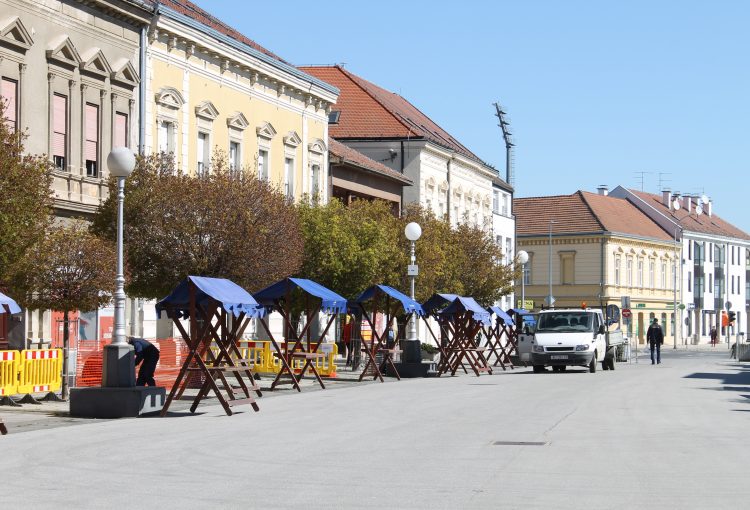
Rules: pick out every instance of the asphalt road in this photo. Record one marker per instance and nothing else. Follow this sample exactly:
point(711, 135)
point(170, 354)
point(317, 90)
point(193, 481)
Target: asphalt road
point(665, 436)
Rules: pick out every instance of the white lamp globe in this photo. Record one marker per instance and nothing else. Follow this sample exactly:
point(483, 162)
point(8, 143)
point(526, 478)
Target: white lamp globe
point(413, 231)
point(523, 257)
point(121, 162)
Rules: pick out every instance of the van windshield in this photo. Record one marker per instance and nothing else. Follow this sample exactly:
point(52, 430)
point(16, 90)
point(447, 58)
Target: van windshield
point(566, 321)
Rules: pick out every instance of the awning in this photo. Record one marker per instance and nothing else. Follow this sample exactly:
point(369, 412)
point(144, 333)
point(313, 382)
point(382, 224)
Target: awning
point(438, 301)
point(408, 303)
point(12, 305)
point(233, 298)
point(499, 313)
point(467, 304)
point(330, 301)
point(518, 311)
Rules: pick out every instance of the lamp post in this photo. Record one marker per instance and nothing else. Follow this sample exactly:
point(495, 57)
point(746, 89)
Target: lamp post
point(523, 258)
point(550, 297)
point(118, 369)
point(412, 348)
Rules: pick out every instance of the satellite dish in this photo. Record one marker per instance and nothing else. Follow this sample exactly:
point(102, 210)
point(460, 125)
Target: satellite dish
point(699, 210)
point(676, 204)
point(704, 199)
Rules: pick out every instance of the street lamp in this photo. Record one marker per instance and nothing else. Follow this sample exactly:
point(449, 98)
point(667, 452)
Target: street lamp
point(523, 258)
point(412, 348)
point(118, 369)
point(550, 297)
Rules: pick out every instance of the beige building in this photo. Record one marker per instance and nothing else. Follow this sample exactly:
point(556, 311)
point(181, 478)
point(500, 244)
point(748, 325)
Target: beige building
point(209, 87)
point(602, 248)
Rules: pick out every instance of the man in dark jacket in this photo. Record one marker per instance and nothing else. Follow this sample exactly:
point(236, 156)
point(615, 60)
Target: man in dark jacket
point(655, 337)
point(148, 354)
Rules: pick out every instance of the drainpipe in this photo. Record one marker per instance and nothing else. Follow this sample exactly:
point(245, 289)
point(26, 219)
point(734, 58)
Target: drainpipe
point(448, 198)
point(142, 94)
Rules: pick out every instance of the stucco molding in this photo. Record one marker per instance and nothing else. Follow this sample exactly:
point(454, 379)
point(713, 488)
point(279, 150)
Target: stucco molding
point(94, 62)
point(238, 121)
point(169, 97)
point(266, 130)
point(317, 146)
point(206, 110)
point(15, 34)
point(63, 52)
point(292, 139)
point(124, 72)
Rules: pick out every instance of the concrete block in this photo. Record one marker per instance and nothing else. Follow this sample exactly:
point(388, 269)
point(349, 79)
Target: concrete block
point(102, 402)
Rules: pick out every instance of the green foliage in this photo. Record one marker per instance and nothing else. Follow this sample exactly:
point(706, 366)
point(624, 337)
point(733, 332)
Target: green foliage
point(429, 348)
point(25, 199)
point(347, 249)
point(225, 224)
point(69, 269)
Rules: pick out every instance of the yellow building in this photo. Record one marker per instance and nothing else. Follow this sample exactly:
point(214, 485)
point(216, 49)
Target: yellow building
point(602, 249)
point(209, 87)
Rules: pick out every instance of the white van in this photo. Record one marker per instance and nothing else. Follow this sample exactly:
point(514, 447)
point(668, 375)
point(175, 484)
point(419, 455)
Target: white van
point(569, 337)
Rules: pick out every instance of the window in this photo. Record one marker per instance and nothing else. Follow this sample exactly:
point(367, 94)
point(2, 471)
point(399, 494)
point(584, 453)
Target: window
point(496, 202)
point(710, 282)
point(690, 281)
point(121, 130)
point(664, 323)
point(567, 264)
point(315, 180)
point(618, 261)
point(711, 252)
point(640, 273)
point(732, 277)
point(527, 273)
point(166, 136)
point(505, 205)
point(234, 156)
point(629, 271)
point(60, 131)
point(203, 150)
point(690, 250)
point(508, 249)
point(263, 165)
point(9, 92)
point(663, 275)
point(289, 178)
point(91, 149)
point(651, 271)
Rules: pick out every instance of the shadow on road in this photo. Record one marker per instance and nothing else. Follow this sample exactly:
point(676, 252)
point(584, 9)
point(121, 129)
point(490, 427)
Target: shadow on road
point(738, 381)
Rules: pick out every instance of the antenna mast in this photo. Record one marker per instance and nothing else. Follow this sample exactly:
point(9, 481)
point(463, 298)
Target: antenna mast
point(507, 137)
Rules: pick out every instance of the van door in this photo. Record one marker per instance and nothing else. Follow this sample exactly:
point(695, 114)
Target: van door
point(601, 339)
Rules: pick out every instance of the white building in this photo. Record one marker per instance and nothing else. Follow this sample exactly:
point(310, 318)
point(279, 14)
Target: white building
point(715, 262)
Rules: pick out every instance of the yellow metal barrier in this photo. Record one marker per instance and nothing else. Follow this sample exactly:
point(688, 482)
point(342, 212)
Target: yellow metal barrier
point(264, 362)
point(10, 361)
point(40, 370)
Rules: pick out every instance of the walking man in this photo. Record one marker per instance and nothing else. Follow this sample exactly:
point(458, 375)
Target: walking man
point(655, 337)
point(714, 336)
point(148, 354)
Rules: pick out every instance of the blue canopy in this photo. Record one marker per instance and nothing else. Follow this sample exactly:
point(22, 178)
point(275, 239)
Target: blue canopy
point(467, 304)
point(408, 303)
point(233, 298)
point(330, 301)
point(438, 301)
point(518, 311)
point(12, 305)
point(500, 314)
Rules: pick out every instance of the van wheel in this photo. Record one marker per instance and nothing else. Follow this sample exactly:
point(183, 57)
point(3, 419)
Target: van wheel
point(592, 365)
point(612, 363)
point(538, 369)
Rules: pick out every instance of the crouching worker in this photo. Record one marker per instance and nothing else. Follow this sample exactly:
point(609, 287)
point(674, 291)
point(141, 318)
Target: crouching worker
point(148, 354)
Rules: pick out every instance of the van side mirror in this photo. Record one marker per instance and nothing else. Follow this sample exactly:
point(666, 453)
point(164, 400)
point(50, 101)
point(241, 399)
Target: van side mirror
point(602, 330)
point(526, 330)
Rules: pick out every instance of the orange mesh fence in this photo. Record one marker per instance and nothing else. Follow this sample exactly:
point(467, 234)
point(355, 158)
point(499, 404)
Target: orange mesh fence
point(172, 354)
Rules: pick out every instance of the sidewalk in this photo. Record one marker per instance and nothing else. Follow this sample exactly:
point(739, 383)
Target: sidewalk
point(50, 415)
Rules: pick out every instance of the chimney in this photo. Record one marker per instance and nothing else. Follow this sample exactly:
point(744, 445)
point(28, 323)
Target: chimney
point(709, 207)
point(688, 203)
point(603, 190)
point(666, 198)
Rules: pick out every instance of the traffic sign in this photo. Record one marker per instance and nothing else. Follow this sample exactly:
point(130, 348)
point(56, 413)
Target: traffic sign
point(626, 313)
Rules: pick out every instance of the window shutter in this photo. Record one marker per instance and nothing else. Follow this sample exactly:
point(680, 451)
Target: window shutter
point(121, 130)
point(9, 92)
point(92, 131)
point(59, 121)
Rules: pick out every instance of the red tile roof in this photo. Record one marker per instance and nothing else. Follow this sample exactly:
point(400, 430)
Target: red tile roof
point(583, 212)
point(193, 11)
point(369, 111)
point(355, 158)
point(704, 224)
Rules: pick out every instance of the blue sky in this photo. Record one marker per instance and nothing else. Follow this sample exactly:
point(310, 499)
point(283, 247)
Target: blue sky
point(596, 91)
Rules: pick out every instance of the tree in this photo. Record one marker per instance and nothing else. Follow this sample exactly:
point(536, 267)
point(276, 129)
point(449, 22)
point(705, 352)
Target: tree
point(69, 269)
point(347, 249)
point(25, 199)
point(463, 260)
point(222, 224)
